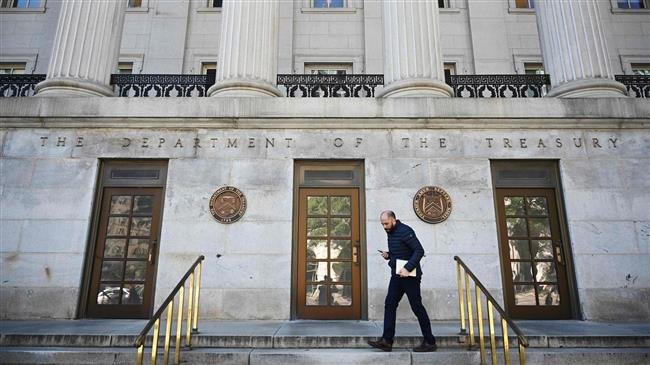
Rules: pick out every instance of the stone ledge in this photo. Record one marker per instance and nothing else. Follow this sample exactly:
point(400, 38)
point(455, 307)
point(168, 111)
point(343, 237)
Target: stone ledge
point(102, 112)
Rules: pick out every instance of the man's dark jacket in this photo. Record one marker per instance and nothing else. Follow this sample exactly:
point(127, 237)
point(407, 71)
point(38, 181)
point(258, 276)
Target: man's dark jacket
point(404, 245)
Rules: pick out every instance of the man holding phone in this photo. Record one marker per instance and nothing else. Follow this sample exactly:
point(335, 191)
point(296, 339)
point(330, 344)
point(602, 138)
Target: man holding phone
point(403, 245)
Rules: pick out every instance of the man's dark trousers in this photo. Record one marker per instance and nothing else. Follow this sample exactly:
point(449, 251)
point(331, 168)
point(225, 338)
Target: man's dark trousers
point(396, 289)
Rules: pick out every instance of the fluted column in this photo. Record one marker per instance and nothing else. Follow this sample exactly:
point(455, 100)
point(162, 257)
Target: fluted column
point(86, 49)
point(248, 49)
point(412, 55)
point(574, 49)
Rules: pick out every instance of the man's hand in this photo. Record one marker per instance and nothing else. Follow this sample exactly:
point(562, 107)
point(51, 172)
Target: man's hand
point(384, 254)
point(403, 272)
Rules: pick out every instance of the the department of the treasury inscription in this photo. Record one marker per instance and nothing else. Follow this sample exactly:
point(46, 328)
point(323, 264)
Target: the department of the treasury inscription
point(432, 204)
point(228, 204)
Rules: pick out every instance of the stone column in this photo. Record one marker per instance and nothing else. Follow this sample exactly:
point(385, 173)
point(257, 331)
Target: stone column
point(574, 49)
point(86, 49)
point(248, 49)
point(412, 55)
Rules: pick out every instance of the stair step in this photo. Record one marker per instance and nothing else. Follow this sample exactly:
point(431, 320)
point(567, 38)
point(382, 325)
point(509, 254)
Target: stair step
point(315, 341)
point(233, 356)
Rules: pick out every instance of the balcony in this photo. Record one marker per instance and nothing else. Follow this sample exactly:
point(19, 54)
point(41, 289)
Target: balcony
point(327, 86)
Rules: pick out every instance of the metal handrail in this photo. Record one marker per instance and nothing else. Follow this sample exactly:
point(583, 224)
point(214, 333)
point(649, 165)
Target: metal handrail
point(168, 305)
point(465, 299)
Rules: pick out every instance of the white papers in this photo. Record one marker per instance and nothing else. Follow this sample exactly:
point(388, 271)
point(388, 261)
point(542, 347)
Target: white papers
point(400, 264)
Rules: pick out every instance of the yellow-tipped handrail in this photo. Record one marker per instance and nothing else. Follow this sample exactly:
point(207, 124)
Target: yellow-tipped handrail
point(465, 301)
point(168, 306)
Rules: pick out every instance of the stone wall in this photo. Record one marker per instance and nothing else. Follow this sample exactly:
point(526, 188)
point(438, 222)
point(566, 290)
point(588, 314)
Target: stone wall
point(48, 186)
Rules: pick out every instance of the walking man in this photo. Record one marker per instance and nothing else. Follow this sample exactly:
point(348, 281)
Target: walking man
point(403, 245)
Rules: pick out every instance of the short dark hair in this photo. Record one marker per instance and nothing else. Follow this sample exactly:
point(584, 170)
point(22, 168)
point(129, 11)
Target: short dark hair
point(388, 213)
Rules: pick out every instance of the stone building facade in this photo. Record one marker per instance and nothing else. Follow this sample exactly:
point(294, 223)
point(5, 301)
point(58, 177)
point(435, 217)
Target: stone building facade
point(105, 197)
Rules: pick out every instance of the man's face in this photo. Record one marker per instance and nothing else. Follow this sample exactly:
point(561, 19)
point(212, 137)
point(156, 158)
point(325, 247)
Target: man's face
point(387, 222)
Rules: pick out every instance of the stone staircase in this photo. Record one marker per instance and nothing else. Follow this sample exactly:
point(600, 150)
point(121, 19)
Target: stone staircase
point(317, 342)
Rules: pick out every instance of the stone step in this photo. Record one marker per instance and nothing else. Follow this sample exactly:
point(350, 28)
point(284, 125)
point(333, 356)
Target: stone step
point(317, 341)
point(234, 356)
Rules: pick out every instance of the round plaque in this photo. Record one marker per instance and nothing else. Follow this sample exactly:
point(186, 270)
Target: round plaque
point(432, 204)
point(228, 204)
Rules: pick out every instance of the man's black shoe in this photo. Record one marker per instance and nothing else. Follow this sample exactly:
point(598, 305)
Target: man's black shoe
point(425, 347)
point(382, 344)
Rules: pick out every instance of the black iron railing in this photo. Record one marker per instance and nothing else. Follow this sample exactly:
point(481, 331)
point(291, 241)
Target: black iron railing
point(330, 86)
point(19, 85)
point(499, 86)
point(160, 85)
point(638, 86)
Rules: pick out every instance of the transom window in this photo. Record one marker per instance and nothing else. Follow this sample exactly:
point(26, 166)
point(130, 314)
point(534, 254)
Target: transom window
point(12, 68)
point(443, 3)
point(21, 3)
point(329, 3)
point(632, 4)
point(525, 4)
point(328, 68)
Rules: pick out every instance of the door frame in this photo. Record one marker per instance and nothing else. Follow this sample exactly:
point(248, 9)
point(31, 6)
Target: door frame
point(356, 170)
point(103, 181)
point(544, 173)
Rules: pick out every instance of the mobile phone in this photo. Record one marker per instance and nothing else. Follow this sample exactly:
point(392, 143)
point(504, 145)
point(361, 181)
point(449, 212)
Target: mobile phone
point(380, 251)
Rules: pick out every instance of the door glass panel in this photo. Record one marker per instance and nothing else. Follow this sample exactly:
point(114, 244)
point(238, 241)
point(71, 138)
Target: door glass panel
point(316, 294)
point(341, 271)
point(522, 272)
point(524, 294)
point(341, 227)
point(316, 227)
point(316, 271)
point(133, 294)
point(540, 227)
point(138, 248)
point(143, 205)
point(542, 249)
point(548, 295)
point(140, 226)
point(114, 248)
point(537, 205)
point(516, 227)
point(108, 294)
point(340, 205)
point(112, 270)
point(341, 295)
point(545, 272)
point(117, 226)
point(317, 205)
point(316, 249)
point(120, 204)
point(519, 250)
point(135, 270)
point(514, 205)
point(341, 249)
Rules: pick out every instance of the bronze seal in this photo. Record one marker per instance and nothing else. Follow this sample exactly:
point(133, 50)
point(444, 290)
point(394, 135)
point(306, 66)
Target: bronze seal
point(432, 204)
point(228, 204)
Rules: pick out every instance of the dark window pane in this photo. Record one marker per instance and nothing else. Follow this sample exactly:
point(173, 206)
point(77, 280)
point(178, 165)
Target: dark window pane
point(548, 295)
point(537, 205)
point(141, 226)
point(317, 205)
point(522, 271)
point(132, 294)
point(341, 227)
point(114, 248)
point(143, 205)
point(340, 205)
point(519, 250)
point(542, 249)
point(540, 227)
point(112, 270)
point(117, 226)
point(340, 249)
point(516, 227)
point(316, 227)
point(514, 205)
point(138, 248)
point(135, 271)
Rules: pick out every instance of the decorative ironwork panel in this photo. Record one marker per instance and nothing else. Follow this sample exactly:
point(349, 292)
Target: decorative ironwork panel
point(499, 86)
point(19, 85)
point(330, 86)
point(157, 85)
point(638, 86)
